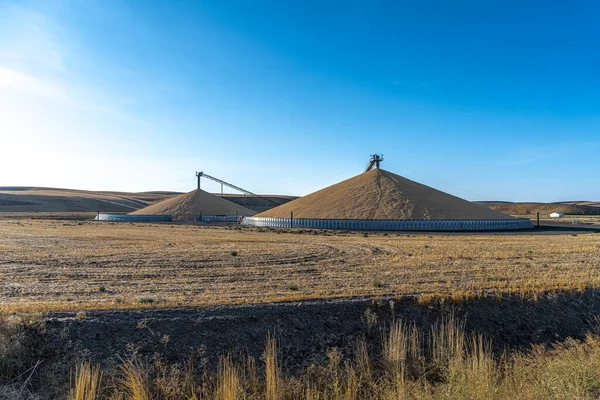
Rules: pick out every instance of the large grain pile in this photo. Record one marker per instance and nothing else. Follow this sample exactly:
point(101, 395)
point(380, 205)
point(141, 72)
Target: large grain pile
point(379, 194)
point(184, 207)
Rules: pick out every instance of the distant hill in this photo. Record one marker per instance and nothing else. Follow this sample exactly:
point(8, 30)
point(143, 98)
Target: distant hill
point(29, 199)
point(37, 199)
point(567, 208)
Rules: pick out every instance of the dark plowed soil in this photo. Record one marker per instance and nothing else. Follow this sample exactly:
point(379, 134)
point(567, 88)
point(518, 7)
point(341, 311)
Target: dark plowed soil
point(308, 330)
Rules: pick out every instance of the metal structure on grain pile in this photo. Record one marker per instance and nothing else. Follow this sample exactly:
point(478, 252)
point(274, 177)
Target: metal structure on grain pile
point(239, 189)
point(199, 205)
point(375, 160)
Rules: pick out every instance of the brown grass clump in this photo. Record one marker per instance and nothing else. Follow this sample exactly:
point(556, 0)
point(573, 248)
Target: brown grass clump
point(272, 370)
point(228, 380)
point(135, 381)
point(401, 349)
point(87, 382)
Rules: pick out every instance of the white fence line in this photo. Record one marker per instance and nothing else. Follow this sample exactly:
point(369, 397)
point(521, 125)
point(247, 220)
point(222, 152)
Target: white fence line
point(218, 218)
point(133, 218)
point(392, 225)
point(342, 224)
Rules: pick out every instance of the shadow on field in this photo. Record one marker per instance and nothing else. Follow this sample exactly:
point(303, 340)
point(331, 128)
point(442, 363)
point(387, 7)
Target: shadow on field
point(307, 331)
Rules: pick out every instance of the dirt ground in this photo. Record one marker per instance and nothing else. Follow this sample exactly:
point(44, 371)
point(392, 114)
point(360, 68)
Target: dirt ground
point(307, 330)
point(75, 265)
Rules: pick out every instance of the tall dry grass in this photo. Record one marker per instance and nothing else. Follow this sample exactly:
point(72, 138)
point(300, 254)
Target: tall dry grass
point(444, 362)
point(135, 380)
point(228, 380)
point(272, 370)
point(87, 382)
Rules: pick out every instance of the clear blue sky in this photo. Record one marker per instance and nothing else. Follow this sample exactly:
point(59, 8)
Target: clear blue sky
point(484, 99)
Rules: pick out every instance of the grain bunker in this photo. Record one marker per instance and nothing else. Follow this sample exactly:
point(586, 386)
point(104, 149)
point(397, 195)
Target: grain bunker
point(381, 200)
point(187, 206)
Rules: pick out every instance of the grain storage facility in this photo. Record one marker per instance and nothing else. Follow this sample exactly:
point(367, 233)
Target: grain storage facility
point(381, 200)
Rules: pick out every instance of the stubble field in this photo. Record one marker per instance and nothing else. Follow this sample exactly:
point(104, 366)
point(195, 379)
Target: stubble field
point(57, 265)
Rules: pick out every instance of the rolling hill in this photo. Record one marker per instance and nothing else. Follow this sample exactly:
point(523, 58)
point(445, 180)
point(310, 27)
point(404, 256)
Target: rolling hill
point(49, 200)
point(567, 208)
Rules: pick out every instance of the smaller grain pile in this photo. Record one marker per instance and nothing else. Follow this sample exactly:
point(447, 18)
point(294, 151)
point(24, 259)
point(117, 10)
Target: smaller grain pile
point(198, 202)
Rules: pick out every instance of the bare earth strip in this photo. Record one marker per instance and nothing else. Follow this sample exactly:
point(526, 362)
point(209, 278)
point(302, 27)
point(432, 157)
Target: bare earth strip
point(49, 265)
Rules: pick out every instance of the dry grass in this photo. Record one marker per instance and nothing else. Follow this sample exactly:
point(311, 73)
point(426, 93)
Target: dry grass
point(228, 380)
point(444, 363)
point(135, 383)
point(272, 370)
point(56, 265)
point(87, 382)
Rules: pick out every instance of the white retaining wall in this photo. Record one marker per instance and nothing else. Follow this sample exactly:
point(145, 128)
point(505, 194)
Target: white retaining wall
point(134, 218)
point(392, 225)
point(218, 218)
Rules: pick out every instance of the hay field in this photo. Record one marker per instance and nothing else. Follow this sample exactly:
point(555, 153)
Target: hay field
point(46, 265)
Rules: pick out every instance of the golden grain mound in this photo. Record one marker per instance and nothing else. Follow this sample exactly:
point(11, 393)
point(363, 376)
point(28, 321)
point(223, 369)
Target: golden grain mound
point(184, 207)
point(379, 194)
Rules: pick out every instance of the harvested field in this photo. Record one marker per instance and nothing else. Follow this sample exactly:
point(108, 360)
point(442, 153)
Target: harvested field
point(83, 265)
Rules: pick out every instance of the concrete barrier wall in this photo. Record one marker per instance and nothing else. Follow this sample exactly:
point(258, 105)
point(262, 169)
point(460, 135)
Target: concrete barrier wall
point(392, 225)
point(218, 218)
point(134, 218)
